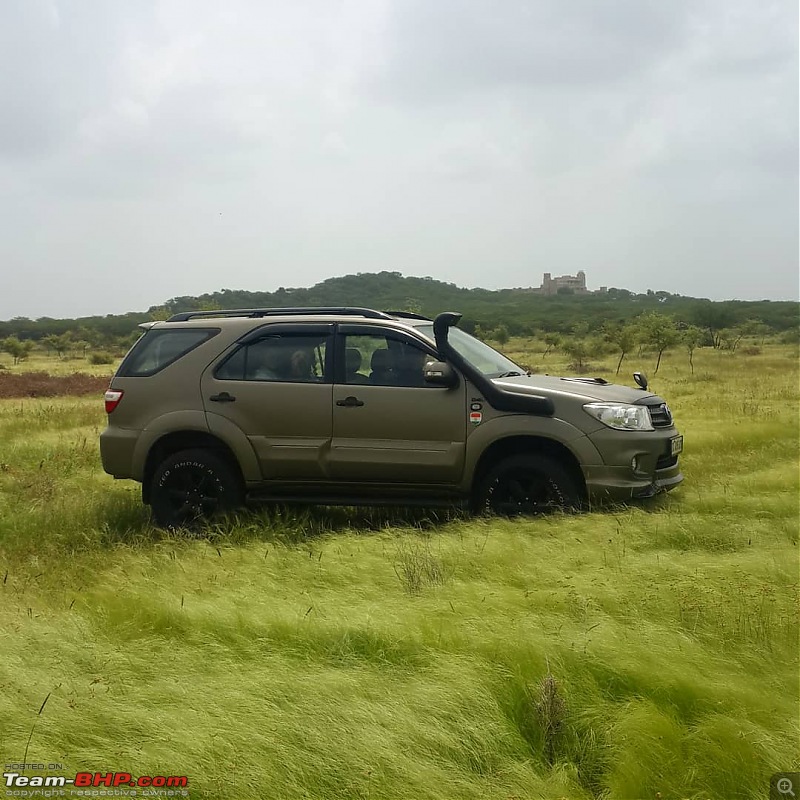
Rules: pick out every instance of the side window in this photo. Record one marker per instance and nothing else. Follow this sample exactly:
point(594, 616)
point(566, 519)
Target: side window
point(384, 361)
point(290, 358)
point(158, 349)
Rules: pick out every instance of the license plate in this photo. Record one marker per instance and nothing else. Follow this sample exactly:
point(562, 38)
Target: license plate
point(676, 445)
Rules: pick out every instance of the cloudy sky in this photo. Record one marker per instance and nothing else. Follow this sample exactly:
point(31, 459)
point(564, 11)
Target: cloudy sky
point(158, 148)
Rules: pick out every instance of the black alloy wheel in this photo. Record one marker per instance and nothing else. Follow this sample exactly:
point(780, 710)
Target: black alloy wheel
point(191, 487)
point(526, 485)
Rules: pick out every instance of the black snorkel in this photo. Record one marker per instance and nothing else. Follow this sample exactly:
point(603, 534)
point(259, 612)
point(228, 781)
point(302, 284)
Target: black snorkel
point(497, 397)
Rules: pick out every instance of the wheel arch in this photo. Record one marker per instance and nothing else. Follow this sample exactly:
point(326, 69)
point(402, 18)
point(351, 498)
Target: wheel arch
point(524, 445)
point(174, 442)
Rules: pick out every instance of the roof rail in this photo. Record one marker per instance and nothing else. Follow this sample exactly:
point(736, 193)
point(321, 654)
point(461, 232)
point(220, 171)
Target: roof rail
point(407, 315)
point(354, 311)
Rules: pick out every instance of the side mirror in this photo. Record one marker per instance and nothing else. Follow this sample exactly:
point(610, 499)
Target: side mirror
point(440, 373)
point(641, 380)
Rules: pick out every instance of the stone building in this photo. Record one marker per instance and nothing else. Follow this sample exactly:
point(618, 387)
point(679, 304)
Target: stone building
point(575, 283)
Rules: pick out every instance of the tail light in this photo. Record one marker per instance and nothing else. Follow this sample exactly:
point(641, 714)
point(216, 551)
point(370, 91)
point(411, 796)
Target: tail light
point(113, 396)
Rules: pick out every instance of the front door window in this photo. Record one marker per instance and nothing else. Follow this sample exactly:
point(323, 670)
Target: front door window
point(384, 361)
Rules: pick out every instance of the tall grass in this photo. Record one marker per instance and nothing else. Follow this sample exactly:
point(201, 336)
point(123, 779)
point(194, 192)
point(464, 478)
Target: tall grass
point(638, 652)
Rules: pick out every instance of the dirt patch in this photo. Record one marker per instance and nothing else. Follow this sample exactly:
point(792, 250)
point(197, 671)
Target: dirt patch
point(40, 384)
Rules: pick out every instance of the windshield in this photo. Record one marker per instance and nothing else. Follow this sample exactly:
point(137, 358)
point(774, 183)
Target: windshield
point(486, 360)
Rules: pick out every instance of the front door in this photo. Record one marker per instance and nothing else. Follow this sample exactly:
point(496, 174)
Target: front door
point(389, 426)
point(275, 387)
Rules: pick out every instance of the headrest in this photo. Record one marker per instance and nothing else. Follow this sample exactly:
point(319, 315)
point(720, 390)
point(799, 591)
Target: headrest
point(380, 361)
point(352, 359)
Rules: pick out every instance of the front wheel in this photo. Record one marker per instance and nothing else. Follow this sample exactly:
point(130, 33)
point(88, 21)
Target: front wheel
point(523, 485)
point(193, 486)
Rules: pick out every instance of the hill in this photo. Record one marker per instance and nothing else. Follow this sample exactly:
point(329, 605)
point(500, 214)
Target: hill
point(521, 310)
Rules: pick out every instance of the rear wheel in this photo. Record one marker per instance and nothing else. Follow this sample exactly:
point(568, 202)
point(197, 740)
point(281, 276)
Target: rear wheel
point(193, 486)
point(523, 485)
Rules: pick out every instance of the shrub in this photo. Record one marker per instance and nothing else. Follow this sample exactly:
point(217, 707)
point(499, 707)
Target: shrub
point(101, 357)
point(501, 335)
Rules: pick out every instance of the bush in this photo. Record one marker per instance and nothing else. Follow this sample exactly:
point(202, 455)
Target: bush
point(101, 357)
point(501, 335)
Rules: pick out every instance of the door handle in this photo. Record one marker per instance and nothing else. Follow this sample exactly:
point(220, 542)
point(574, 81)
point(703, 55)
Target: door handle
point(350, 402)
point(222, 397)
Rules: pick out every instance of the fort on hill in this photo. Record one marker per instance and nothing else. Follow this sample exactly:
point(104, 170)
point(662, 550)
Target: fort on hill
point(565, 284)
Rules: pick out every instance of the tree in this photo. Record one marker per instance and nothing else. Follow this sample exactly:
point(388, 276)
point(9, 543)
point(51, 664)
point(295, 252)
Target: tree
point(412, 305)
point(713, 317)
point(552, 340)
point(578, 349)
point(159, 313)
point(729, 338)
point(659, 331)
point(50, 342)
point(86, 337)
point(580, 330)
point(692, 337)
point(624, 337)
point(578, 346)
point(500, 335)
point(18, 350)
point(61, 343)
point(757, 328)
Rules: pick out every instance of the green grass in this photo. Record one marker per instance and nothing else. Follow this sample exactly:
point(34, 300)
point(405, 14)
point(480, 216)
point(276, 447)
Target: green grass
point(41, 361)
point(638, 652)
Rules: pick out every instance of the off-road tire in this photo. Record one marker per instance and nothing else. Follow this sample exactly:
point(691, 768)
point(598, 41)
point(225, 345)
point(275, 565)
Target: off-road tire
point(524, 485)
point(193, 486)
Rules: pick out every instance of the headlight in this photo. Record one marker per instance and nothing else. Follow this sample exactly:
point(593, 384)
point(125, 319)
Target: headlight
point(621, 416)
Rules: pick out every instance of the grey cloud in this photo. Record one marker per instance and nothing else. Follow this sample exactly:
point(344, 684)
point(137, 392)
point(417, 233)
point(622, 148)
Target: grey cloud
point(438, 51)
point(58, 62)
point(186, 145)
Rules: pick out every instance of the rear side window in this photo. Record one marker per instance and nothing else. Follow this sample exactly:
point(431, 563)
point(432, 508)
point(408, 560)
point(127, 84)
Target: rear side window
point(158, 349)
point(289, 358)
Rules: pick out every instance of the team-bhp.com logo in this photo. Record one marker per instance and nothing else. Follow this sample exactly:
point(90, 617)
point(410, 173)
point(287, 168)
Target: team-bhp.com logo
point(95, 784)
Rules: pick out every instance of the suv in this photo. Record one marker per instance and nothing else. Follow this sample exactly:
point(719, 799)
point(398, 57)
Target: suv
point(354, 406)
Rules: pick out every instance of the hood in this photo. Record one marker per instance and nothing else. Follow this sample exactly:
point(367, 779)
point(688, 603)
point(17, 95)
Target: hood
point(587, 388)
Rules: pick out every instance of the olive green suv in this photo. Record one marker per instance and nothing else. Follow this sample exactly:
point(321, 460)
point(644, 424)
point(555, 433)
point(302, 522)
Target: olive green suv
point(354, 406)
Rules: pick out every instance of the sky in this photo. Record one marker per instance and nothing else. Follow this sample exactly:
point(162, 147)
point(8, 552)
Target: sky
point(160, 148)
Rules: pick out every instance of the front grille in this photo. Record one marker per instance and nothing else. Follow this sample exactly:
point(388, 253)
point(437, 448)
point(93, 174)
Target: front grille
point(665, 462)
point(660, 415)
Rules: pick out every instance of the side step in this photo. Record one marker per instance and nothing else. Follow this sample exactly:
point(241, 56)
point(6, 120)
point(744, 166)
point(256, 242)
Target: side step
point(414, 501)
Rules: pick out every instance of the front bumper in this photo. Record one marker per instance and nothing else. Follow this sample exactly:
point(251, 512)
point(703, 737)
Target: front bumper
point(619, 484)
point(656, 471)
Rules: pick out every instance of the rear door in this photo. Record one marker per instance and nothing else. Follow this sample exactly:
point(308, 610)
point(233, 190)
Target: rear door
point(275, 386)
point(389, 425)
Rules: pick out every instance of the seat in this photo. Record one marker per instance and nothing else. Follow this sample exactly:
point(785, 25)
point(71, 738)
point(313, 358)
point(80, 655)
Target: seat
point(381, 368)
point(352, 358)
point(408, 367)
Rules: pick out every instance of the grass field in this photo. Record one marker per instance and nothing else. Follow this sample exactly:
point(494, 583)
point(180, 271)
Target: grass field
point(53, 365)
point(637, 652)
